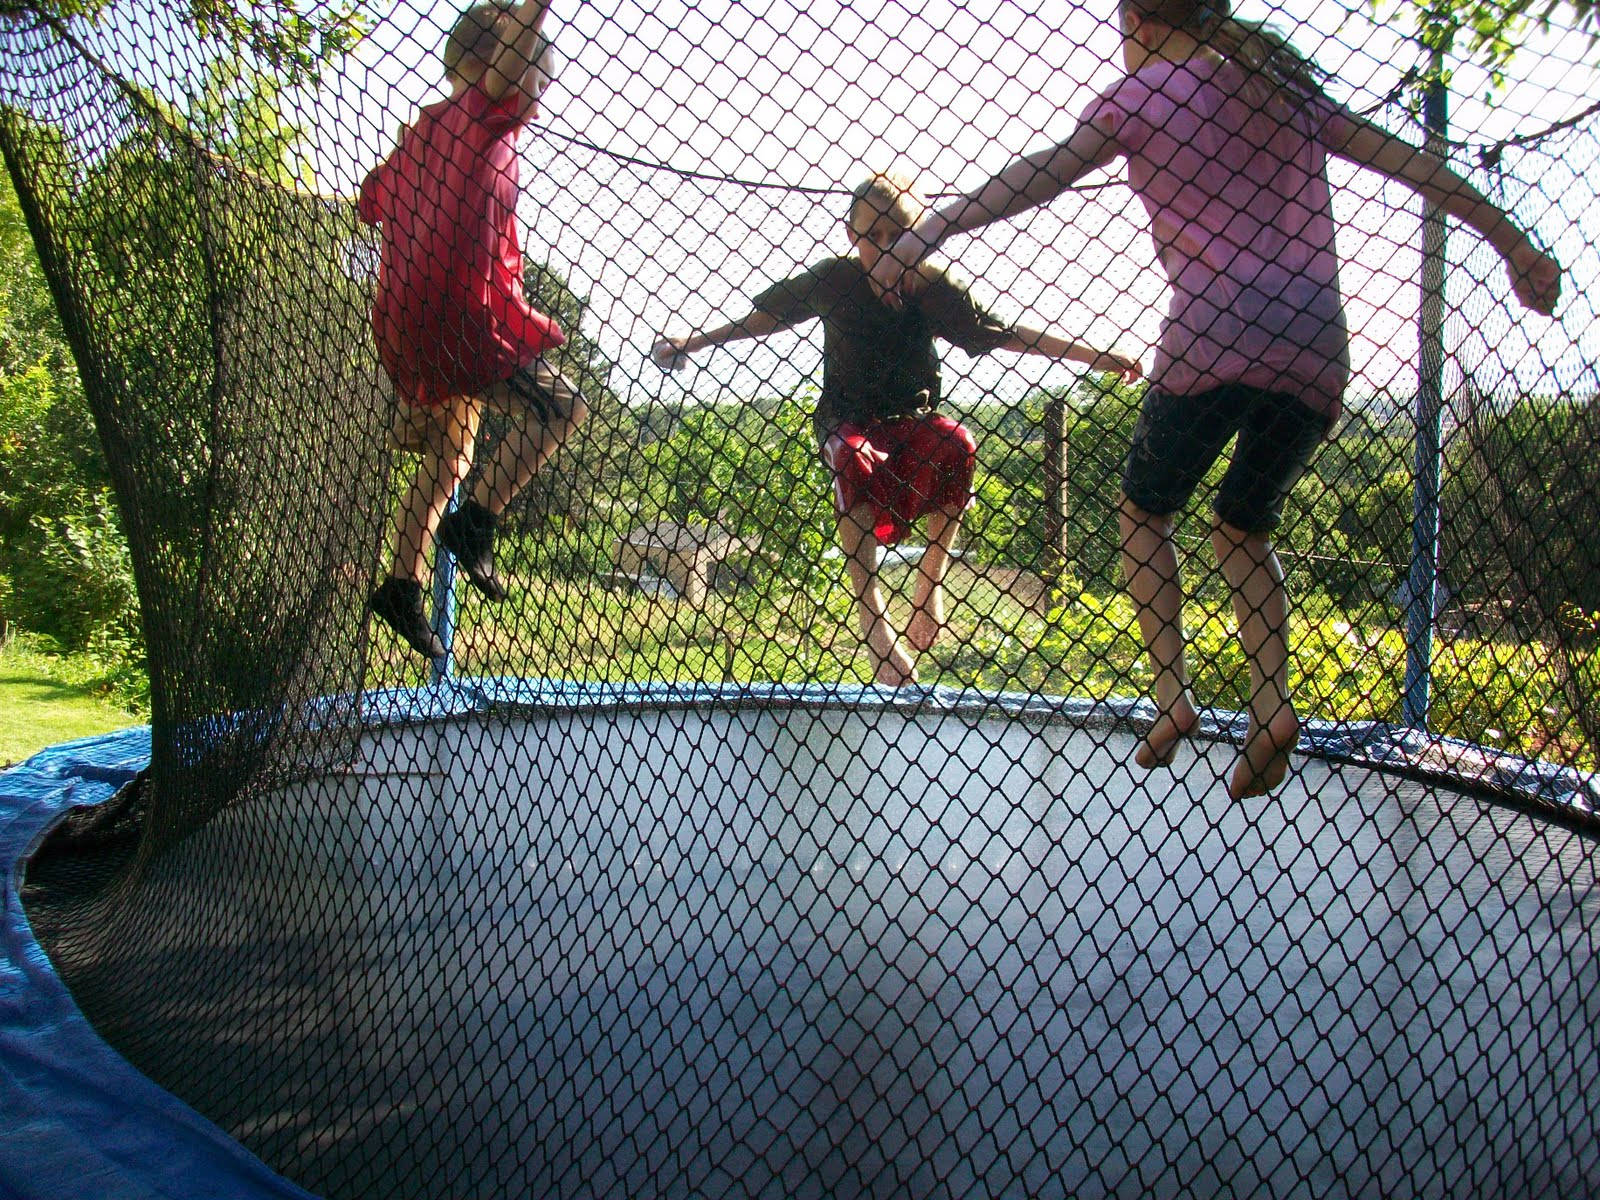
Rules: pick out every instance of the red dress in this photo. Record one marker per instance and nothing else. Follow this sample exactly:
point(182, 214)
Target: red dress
point(451, 318)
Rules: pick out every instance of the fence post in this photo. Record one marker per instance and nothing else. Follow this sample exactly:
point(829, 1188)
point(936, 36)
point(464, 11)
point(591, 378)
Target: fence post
point(1055, 488)
point(1423, 579)
point(444, 604)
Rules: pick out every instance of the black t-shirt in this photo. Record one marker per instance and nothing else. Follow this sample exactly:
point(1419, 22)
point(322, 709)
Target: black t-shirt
point(878, 361)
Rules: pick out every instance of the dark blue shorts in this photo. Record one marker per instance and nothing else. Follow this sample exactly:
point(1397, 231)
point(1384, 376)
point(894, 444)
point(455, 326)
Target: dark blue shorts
point(1179, 437)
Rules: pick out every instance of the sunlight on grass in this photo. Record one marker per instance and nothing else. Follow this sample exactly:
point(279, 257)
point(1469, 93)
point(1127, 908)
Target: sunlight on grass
point(49, 698)
point(1007, 632)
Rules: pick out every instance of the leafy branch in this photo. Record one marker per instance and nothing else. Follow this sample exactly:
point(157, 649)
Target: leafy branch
point(1488, 32)
point(294, 41)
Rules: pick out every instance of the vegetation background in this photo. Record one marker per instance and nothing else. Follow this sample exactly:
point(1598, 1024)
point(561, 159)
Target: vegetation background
point(1514, 661)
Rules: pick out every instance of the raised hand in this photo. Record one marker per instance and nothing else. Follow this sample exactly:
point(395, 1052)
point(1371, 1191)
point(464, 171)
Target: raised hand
point(1128, 369)
point(1535, 277)
point(670, 354)
point(894, 275)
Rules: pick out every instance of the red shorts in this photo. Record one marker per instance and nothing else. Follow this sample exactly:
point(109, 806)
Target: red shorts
point(903, 468)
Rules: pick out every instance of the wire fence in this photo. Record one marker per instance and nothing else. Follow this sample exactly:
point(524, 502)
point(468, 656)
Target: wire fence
point(747, 845)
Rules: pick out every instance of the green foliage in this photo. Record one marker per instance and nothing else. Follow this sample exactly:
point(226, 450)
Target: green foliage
point(1522, 488)
point(64, 567)
point(78, 587)
point(752, 469)
point(1492, 30)
point(294, 41)
point(1010, 518)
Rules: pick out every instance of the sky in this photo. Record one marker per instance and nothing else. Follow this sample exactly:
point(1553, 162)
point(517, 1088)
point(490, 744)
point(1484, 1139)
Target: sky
point(815, 95)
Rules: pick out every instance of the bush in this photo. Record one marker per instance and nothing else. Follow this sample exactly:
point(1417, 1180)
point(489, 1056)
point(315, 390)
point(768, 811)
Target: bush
point(1522, 503)
point(73, 579)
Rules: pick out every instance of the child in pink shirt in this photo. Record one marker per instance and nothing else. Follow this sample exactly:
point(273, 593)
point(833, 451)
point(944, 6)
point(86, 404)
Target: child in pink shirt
point(453, 327)
point(1226, 132)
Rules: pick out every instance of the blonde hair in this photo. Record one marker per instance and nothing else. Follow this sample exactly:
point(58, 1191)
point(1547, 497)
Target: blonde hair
point(478, 33)
point(887, 194)
point(1276, 70)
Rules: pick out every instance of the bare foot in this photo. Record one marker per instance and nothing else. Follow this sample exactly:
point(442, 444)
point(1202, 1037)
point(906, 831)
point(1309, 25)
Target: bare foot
point(1265, 759)
point(1171, 727)
point(924, 628)
point(894, 666)
point(895, 674)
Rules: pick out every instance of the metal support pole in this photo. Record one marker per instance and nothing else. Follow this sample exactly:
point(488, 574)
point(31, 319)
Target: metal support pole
point(1423, 579)
point(444, 604)
point(1055, 488)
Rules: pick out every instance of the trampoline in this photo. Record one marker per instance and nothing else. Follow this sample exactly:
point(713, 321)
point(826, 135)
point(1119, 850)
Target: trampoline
point(800, 945)
point(647, 894)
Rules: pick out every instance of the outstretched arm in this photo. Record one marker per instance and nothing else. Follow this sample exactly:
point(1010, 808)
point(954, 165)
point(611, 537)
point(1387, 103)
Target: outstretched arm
point(514, 58)
point(672, 353)
point(1030, 181)
point(1535, 276)
point(1025, 340)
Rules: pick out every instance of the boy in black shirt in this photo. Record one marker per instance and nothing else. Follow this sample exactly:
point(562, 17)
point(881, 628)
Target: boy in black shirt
point(894, 458)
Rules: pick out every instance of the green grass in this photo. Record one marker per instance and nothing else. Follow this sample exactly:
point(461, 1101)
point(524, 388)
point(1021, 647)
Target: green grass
point(1005, 635)
point(49, 698)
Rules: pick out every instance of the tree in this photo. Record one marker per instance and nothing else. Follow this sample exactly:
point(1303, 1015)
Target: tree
point(293, 42)
point(64, 568)
point(1493, 29)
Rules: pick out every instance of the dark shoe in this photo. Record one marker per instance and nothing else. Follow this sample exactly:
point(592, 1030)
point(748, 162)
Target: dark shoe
point(468, 533)
point(398, 604)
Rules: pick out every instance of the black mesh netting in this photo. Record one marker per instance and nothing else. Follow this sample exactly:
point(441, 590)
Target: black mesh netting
point(649, 889)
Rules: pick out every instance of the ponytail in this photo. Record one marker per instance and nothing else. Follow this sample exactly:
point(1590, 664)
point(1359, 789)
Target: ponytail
point(1277, 71)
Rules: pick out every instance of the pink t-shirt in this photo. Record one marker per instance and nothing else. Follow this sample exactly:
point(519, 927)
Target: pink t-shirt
point(451, 318)
point(1243, 224)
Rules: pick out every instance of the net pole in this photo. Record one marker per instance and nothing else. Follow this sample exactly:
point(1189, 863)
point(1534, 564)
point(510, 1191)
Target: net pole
point(1423, 580)
point(1055, 489)
point(444, 603)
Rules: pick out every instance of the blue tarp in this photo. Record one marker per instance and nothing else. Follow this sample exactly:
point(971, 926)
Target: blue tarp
point(76, 1120)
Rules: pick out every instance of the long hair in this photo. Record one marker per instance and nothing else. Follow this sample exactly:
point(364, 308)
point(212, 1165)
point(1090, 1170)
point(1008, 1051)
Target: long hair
point(1276, 70)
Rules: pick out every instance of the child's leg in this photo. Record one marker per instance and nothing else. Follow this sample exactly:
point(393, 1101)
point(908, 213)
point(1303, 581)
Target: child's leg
point(1150, 565)
point(444, 464)
point(934, 467)
point(1277, 438)
point(1261, 607)
point(892, 665)
point(927, 605)
point(546, 410)
point(1174, 444)
point(446, 458)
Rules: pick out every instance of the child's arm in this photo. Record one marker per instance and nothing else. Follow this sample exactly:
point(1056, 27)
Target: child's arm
point(1025, 340)
point(1029, 181)
point(515, 57)
point(374, 198)
point(1535, 276)
point(671, 353)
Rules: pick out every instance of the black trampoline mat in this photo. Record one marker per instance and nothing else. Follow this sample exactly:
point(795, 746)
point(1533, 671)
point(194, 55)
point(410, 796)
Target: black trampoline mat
point(800, 953)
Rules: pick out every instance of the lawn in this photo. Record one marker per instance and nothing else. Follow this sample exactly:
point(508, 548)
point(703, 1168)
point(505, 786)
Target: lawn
point(49, 698)
point(1008, 633)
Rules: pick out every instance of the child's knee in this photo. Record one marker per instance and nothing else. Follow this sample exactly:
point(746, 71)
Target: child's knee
point(1137, 518)
point(1228, 538)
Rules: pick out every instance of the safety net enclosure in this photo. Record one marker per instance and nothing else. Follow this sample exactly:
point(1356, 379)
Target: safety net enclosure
point(653, 884)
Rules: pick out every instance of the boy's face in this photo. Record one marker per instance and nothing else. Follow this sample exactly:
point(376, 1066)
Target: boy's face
point(872, 233)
